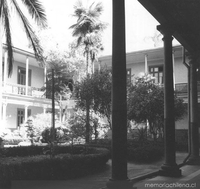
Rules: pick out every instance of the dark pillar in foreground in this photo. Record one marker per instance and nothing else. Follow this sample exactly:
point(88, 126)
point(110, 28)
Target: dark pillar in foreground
point(194, 158)
point(119, 108)
point(169, 168)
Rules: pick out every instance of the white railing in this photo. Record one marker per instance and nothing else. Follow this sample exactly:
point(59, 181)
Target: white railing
point(21, 90)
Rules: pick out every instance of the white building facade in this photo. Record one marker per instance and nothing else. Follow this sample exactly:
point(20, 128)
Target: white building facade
point(152, 61)
point(21, 94)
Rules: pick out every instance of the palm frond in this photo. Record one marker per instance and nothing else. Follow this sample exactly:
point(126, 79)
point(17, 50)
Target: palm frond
point(30, 33)
point(96, 11)
point(37, 11)
point(79, 41)
point(1, 7)
point(6, 24)
point(78, 12)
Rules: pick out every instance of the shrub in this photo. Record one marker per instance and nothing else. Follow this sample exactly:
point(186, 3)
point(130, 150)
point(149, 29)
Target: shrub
point(62, 166)
point(148, 152)
point(21, 151)
point(61, 135)
point(182, 140)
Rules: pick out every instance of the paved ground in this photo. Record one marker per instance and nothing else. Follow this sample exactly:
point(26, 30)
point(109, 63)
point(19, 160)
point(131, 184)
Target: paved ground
point(97, 181)
point(190, 179)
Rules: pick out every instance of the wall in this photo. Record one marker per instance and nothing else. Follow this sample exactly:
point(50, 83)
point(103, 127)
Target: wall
point(180, 71)
point(37, 77)
point(11, 113)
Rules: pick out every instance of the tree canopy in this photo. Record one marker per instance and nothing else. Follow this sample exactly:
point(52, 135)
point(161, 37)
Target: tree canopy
point(88, 30)
point(94, 93)
point(146, 103)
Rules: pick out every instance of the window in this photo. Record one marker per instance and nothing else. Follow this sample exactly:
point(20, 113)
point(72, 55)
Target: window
point(21, 116)
point(157, 73)
point(21, 79)
point(22, 76)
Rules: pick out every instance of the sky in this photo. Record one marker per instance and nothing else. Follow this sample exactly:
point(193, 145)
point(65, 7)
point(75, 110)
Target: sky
point(140, 26)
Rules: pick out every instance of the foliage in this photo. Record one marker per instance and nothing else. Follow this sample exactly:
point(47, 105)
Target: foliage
point(30, 131)
point(182, 140)
point(102, 93)
point(94, 93)
point(77, 126)
point(66, 165)
point(63, 78)
point(95, 90)
point(40, 127)
point(147, 153)
point(146, 103)
point(35, 10)
point(141, 134)
point(61, 135)
point(137, 151)
point(88, 29)
point(11, 138)
point(84, 93)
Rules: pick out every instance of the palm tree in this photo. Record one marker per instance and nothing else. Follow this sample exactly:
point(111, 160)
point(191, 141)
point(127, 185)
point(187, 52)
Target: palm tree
point(36, 11)
point(88, 29)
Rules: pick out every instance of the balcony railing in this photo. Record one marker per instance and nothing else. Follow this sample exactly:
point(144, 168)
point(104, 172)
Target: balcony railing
point(21, 90)
point(182, 88)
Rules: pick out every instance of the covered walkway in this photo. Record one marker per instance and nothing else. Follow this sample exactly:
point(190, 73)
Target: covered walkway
point(178, 19)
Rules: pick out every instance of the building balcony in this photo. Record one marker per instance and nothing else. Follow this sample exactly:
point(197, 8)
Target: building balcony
point(17, 89)
point(182, 89)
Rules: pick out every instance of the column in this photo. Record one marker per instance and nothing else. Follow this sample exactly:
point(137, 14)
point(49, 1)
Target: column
point(44, 110)
point(26, 113)
point(45, 75)
point(146, 64)
point(4, 114)
point(119, 178)
point(194, 158)
point(169, 168)
point(173, 60)
point(27, 74)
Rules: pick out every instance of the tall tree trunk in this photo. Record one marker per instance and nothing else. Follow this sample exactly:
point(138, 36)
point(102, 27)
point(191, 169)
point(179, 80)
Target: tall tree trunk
point(87, 134)
point(87, 60)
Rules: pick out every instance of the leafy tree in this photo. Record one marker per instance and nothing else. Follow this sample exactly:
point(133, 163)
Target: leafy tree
point(63, 79)
point(84, 94)
point(36, 11)
point(77, 61)
point(146, 103)
point(30, 131)
point(39, 127)
point(94, 93)
point(77, 126)
point(102, 93)
point(88, 29)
